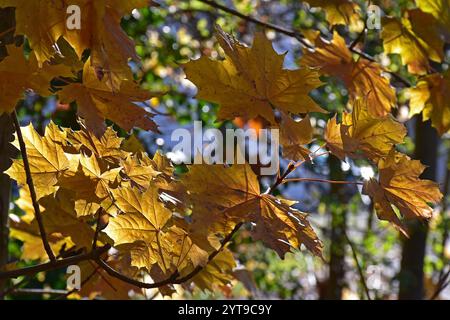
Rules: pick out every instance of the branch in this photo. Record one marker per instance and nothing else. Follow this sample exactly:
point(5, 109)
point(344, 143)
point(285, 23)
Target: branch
point(52, 265)
point(294, 34)
point(291, 33)
point(174, 278)
point(37, 211)
point(322, 180)
point(360, 271)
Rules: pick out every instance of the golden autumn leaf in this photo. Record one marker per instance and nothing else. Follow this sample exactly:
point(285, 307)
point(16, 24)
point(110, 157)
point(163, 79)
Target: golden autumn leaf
point(217, 273)
point(222, 197)
point(142, 229)
point(106, 147)
point(293, 136)
point(399, 37)
point(399, 185)
point(361, 134)
point(18, 74)
point(251, 81)
point(363, 78)
point(47, 160)
point(60, 217)
point(33, 249)
point(96, 103)
point(344, 12)
point(440, 9)
point(44, 22)
point(139, 171)
point(431, 96)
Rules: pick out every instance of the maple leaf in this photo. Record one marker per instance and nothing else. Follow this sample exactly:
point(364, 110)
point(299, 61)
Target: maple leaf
point(139, 170)
point(28, 232)
point(96, 103)
point(18, 74)
point(294, 135)
point(47, 159)
point(222, 197)
point(59, 216)
point(92, 179)
point(399, 37)
point(363, 78)
point(399, 185)
point(143, 228)
point(362, 134)
point(440, 9)
point(44, 22)
point(217, 273)
point(250, 81)
point(343, 12)
point(107, 147)
point(431, 96)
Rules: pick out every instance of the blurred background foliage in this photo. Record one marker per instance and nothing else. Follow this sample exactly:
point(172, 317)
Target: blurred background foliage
point(169, 35)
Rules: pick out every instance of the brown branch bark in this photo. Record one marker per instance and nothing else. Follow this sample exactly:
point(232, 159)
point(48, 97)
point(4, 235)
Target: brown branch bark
point(174, 278)
point(30, 184)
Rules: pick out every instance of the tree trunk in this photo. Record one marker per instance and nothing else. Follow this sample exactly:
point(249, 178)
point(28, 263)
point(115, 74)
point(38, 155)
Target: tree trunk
point(413, 251)
point(336, 279)
point(6, 153)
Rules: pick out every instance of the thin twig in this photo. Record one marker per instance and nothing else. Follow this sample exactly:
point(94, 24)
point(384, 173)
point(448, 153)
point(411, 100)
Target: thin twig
point(268, 25)
point(38, 291)
point(444, 281)
point(37, 211)
point(97, 228)
point(291, 167)
point(360, 271)
point(321, 180)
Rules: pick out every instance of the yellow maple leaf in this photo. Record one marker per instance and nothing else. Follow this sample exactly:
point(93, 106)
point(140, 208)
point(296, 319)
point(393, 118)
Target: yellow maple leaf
point(44, 22)
point(18, 74)
point(222, 197)
point(344, 12)
point(217, 273)
point(250, 81)
point(47, 160)
point(363, 78)
point(293, 136)
point(440, 9)
point(143, 228)
point(96, 103)
point(431, 96)
point(106, 147)
point(59, 216)
point(362, 134)
point(399, 185)
point(399, 37)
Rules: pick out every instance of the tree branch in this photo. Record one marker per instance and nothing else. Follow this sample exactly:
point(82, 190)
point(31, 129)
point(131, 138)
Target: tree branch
point(268, 25)
point(174, 278)
point(52, 265)
point(322, 180)
point(37, 211)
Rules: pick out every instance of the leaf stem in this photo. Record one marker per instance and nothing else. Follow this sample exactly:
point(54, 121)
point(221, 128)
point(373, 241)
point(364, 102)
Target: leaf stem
point(37, 211)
